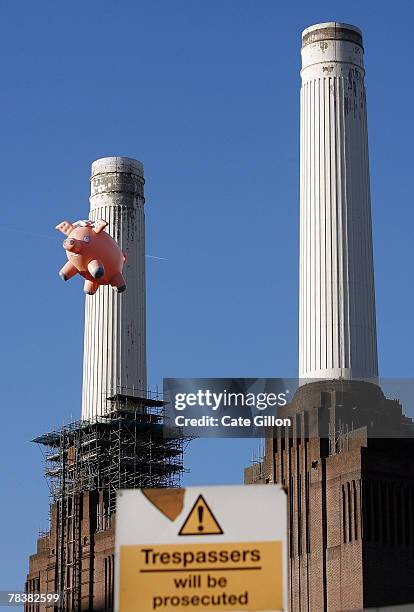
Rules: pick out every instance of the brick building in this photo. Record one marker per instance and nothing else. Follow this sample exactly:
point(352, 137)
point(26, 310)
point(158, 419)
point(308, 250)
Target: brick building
point(86, 464)
point(89, 542)
point(348, 469)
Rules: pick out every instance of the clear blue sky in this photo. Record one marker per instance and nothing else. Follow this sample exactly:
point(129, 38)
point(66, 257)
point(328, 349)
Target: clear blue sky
point(206, 94)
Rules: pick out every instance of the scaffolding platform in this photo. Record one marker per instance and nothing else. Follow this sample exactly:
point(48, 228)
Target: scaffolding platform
point(124, 448)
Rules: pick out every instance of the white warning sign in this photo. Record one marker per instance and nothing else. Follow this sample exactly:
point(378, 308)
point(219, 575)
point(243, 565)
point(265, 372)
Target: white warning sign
point(199, 549)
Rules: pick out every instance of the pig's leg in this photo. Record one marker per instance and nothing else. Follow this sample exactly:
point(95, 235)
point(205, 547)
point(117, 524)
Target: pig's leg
point(90, 288)
point(96, 268)
point(67, 271)
point(118, 282)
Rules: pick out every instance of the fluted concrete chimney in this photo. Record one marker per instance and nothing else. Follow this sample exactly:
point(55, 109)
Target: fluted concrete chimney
point(337, 329)
point(114, 358)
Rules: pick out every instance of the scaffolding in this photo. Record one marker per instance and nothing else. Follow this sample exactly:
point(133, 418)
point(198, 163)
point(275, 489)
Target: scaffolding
point(124, 448)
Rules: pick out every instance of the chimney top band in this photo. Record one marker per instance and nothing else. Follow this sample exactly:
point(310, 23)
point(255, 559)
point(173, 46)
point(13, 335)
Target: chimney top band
point(331, 31)
point(117, 164)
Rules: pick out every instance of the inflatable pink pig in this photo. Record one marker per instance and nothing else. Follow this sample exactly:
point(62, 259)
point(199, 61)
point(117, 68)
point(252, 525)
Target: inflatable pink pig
point(92, 253)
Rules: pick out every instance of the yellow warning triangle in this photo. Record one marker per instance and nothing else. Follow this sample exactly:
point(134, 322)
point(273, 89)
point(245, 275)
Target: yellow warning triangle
point(201, 520)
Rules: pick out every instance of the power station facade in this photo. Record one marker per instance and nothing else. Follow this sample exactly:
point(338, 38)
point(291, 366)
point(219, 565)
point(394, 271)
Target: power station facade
point(119, 442)
point(345, 462)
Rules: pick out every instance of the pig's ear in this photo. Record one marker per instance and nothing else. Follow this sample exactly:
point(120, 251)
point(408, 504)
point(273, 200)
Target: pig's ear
point(65, 227)
point(99, 225)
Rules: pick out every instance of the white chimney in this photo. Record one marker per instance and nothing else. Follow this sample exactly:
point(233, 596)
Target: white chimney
point(337, 329)
point(114, 360)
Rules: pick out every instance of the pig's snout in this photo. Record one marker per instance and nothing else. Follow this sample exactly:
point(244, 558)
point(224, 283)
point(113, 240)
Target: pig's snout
point(72, 245)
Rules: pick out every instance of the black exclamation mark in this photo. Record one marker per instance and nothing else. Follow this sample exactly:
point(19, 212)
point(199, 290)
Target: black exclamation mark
point(200, 511)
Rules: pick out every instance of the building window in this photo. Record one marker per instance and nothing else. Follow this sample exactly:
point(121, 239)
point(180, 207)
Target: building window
point(343, 514)
point(356, 508)
point(307, 510)
point(299, 505)
point(350, 511)
point(109, 582)
point(291, 521)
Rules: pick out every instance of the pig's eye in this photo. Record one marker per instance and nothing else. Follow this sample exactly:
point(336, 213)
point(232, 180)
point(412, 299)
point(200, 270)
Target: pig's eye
point(86, 239)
